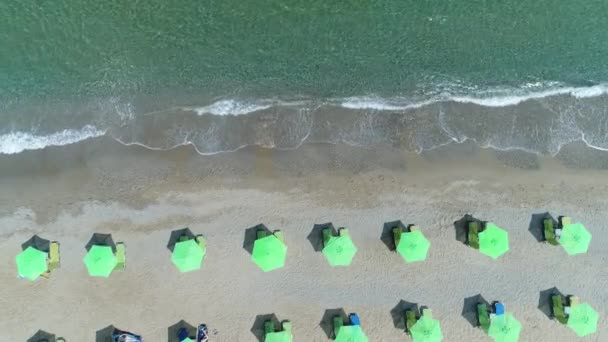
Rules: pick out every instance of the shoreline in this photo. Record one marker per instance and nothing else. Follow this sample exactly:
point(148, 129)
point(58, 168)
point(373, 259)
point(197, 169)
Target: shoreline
point(140, 196)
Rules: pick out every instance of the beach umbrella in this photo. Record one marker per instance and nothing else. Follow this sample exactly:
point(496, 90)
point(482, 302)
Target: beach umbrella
point(279, 336)
point(351, 333)
point(493, 241)
point(269, 253)
point(426, 329)
point(187, 255)
point(575, 239)
point(100, 261)
point(31, 263)
point(583, 319)
point(413, 246)
point(504, 328)
point(339, 250)
point(187, 339)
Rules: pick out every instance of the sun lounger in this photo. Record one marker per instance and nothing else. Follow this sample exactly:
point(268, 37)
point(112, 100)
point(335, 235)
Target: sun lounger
point(565, 220)
point(549, 231)
point(397, 231)
point(414, 228)
point(410, 319)
point(326, 236)
point(53, 255)
point(286, 325)
point(201, 241)
point(483, 318)
point(123, 336)
point(354, 319)
point(338, 323)
point(557, 309)
point(574, 300)
point(343, 232)
point(260, 234)
point(269, 327)
point(121, 257)
point(473, 236)
point(279, 235)
point(428, 313)
point(499, 308)
point(202, 334)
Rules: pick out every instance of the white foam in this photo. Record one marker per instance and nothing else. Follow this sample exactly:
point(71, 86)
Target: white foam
point(511, 100)
point(489, 98)
point(233, 107)
point(16, 142)
point(375, 103)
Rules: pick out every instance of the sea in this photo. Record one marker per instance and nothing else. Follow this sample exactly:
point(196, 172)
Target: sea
point(224, 74)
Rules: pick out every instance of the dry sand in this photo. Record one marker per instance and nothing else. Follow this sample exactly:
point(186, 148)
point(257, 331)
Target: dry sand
point(140, 196)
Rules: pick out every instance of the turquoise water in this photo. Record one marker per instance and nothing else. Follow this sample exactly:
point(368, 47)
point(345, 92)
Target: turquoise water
point(99, 64)
point(319, 48)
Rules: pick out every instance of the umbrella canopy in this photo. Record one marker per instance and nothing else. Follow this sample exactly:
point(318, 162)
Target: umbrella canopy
point(187, 339)
point(100, 261)
point(340, 250)
point(493, 241)
point(413, 246)
point(187, 255)
point(351, 333)
point(31, 263)
point(504, 328)
point(269, 253)
point(575, 239)
point(583, 319)
point(279, 336)
point(426, 330)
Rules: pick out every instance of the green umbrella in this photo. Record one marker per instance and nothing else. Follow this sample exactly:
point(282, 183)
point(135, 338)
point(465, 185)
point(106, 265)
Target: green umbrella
point(279, 336)
point(426, 330)
point(31, 263)
point(493, 241)
point(413, 246)
point(187, 339)
point(504, 328)
point(100, 261)
point(340, 250)
point(350, 333)
point(269, 253)
point(583, 319)
point(187, 255)
point(575, 239)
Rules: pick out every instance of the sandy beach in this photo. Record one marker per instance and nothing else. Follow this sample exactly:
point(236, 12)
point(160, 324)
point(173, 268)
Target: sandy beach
point(140, 196)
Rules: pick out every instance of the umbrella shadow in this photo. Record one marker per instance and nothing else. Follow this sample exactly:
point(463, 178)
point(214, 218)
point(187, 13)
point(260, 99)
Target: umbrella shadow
point(258, 325)
point(387, 233)
point(105, 334)
point(251, 235)
point(544, 301)
point(398, 313)
point(461, 227)
point(316, 235)
point(42, 335)
point(102, 240)
point(469, 308)
point(177, 234)
point(173, 331)
point(536, 227)
point(38, 243)
point(327, 321)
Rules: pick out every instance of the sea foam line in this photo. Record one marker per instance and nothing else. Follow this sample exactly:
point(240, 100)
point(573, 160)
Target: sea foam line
point(16, 142)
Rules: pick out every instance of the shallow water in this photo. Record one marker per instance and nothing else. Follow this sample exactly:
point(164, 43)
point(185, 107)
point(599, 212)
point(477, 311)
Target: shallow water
point(75, 70)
